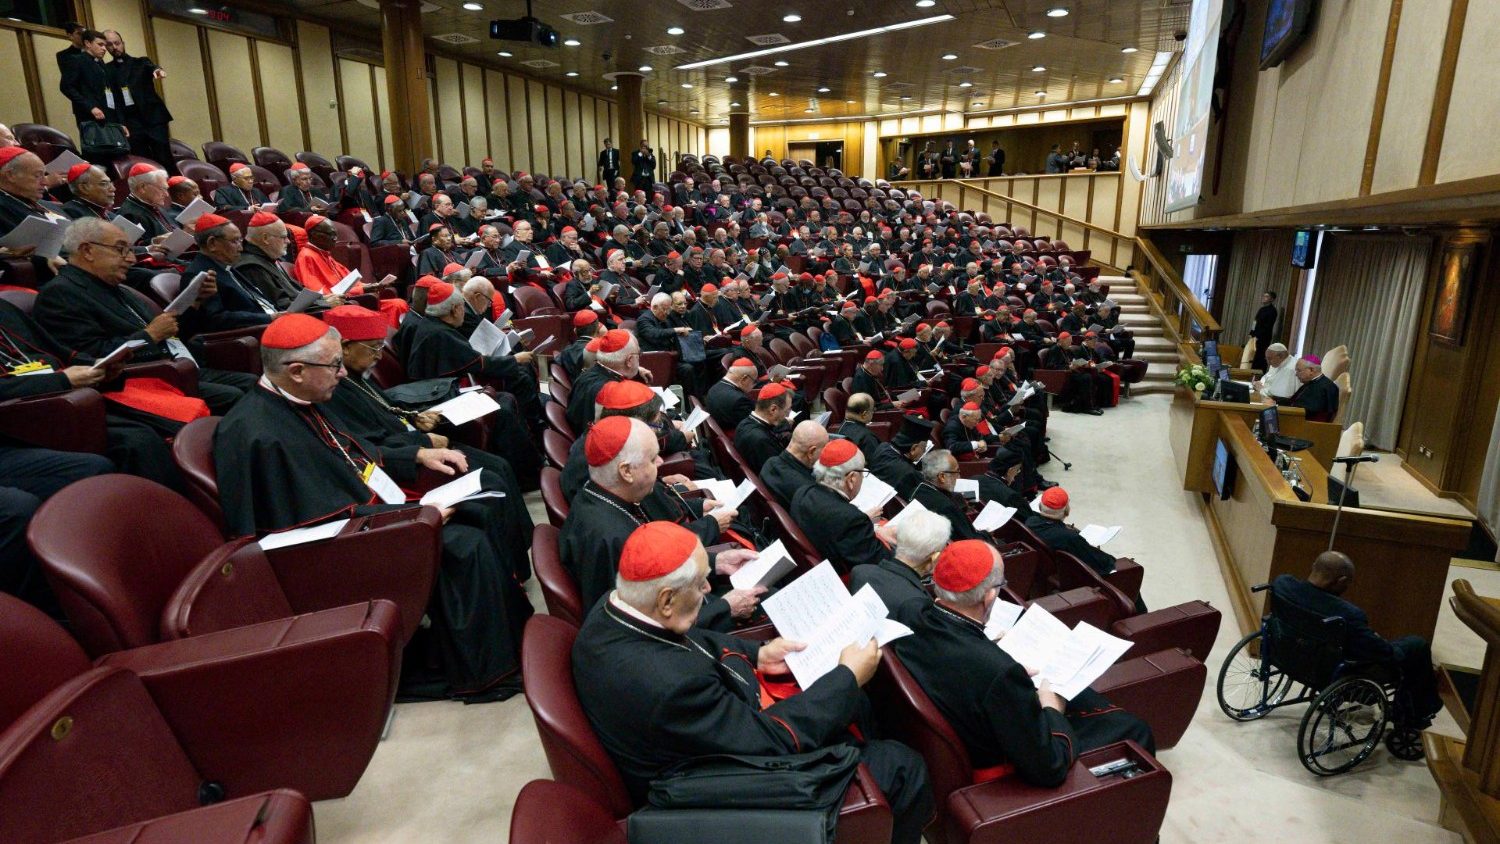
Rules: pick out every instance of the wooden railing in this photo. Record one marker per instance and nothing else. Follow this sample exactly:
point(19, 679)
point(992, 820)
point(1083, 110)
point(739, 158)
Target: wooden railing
point(1183, 316)
point(1111, 249)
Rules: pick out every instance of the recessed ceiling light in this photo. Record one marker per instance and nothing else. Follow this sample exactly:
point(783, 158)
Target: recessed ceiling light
point(792, 18)
point(926, 4)
point(948, 57)
point(614, 87)
point(1039, 69)
point(1057, 12)
point(824, 90)
point(782, 63)
point(571, 73)
point(661, 102)
point(807, 111)
point(692, 111)
point(1115, 80)
point(773, 94)
point(731, 79)
point(905, 96)
point(572, 42)
point(474, 7)
point(645, 68)
point(734, 105)
point(197, 11)
point(848, 102)
point(1127, 49)
point(879, 74)
point(966, 84)
point(1041, 93)
point(504, 54)
point(1036, 35)
point(687, 84)
point(675, 30)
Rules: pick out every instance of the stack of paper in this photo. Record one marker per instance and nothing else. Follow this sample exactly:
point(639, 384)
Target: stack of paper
point(696, 418)
point(343, 284)
point(668, 398)
point(64, 162)
point(967, 487)
point(772, 565)
point(873, 494)
point(178, 242)
point(465, 488)
point(121, 352)
point(1097, 535)
point(906, 512)
point(197, 208)
point(718, 489)
point(187, 296)
point(993, 517)
point(44, 235)
point(1068, 659)
point(817, 610)
point(486, 338)
point(735, 497)
point(466, 407)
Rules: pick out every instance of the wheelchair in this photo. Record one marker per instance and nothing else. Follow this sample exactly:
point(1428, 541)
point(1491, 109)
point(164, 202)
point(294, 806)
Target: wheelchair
point(1353, 704)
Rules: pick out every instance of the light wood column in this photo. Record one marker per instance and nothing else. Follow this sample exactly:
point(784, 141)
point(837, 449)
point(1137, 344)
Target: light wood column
point(631, 116)
point(406, 84)
point(739, 133)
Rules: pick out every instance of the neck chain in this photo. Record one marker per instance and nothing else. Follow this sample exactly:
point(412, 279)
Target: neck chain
point(589, 488)
point(362, 386)
point(690, 647)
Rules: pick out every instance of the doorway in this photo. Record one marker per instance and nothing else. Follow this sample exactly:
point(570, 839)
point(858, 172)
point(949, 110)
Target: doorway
point(825, 154)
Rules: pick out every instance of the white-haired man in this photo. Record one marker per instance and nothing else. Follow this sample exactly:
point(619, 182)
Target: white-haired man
point(259, 264)
point(618, 358)
point(920, 538)
point(823, 510)
point(1317, 394)
point(660, 690)
point(286, 459)
point(22, 177)
point(1280, 379)
point(1049, 524)
point(298, 194)
point(623, 456)
point(149, 201)
point(985, 695)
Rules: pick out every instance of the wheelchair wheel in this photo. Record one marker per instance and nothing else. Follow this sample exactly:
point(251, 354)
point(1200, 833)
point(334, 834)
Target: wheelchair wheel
point(1342, 726)
point(1404, 743)
point(1248, 688)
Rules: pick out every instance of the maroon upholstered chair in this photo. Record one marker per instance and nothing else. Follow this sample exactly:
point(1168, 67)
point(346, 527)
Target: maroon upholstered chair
point(274, 817)
point(534, 302)
point(181, 151)
point(272, 159)
point(578, 759)
point(559, 589)
point(552, 496)
point(548, 812)
point(69, 421)
point(47, 142)
point(555, 446)
point(222, 155)
point(661, 365)
point(268, 181)
point(208, 177)
point(318, 164)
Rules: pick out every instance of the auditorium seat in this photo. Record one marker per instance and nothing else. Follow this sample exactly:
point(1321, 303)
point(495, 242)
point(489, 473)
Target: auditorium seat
point(273, 160)
point(555, 446)
point(274, 817)
point(47, 142)
point(548, 812)
point(576, 757)
point(222, 155)
point(971, 808)
point(208, 177)
point(661, 365)
point(318, 164)
point(268, 181)
point(559, 590)
point(1336, 362)
point(553, 499)
point(181, 152)
point(68, 421)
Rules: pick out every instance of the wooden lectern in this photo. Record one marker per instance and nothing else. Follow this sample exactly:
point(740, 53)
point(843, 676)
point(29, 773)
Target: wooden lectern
point(1467, 770)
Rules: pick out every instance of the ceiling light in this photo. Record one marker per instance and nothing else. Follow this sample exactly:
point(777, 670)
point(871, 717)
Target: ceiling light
point(645, 68)
point(1115, 80)
point(773, 94)
point(675, 30)
point(816, 42)
point(734, 105)
point(571, 42)
point(905, 96)
point(1127, 49)
point(824, 90)
point(474, 7)
point(926, 4)
point(948, 57)
point(1041, 93)
point(571, 73)
point(661, 102)
point(687, 84)
point(1154, 75)
point(1057, 12)
point(692, 111)
point(504, 54)
point(848, 102)
point(197, 11)
point(1039, 69)
point(966, 84)
point(782, 64)
point(614, 87)
point(807, 111)
point(1036, 35)
point(879, 74)
point(792, 18)
point(731, 79)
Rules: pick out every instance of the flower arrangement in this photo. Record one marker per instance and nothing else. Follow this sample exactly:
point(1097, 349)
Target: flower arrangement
point(1195, 377)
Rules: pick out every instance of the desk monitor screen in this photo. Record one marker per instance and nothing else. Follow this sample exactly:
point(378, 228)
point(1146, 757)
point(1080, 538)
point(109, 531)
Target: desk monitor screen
point(1210, 349)
point(1270, 423)
point(1223, 471)
point(1234, 391)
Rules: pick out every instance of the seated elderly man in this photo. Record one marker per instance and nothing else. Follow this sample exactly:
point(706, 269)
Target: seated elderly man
point(893, 462)
point(240, 194)
point(659, 689)
point(259, 264)
point(285, 458)
point(1049, 525)
point(237, 303)
point(786, 473)
point(836, 529)
point(149, 204)
point(22, 177)
point(729, 400)
point(1280, 378)
point(586, 328)
point(623, 455)
point(393, 227)
point(317, 269)
point(617, 359)
point(298, 194)
point(988, 698)
point(765, 432)
point(906, 574)
point(1322, 593)
point(1316, 393)
point(935, 492)
point(858, 413)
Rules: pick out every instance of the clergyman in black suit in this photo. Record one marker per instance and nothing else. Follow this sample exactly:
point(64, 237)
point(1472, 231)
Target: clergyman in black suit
point(609, 165)
point(132, 82)
point(1264, 330)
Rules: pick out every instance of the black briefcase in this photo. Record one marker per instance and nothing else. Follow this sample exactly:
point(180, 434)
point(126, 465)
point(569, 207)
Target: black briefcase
point(102, 140)
point(725, 826)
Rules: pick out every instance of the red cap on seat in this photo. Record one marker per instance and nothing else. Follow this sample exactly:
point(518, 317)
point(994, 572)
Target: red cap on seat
point(614, 340)
point(964, 565)
point(656, 549)
point(209, 221)
point(838, 452)
point(293, 331)
point(606, 439)
point(584, 317)
point(1055, 498)
point(623, 395)
point(356, 323)
point(774, 390)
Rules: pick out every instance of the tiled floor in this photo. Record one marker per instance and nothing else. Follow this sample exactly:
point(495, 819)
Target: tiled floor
point(450, 773)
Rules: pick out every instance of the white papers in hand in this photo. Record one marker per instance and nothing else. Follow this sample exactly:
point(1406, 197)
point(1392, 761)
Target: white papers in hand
point(993, 516)
point(734, 499)
point(486, 338)
point(301, 536)
point(769, 567)
point(817, 610)
point(800, 606)
point(465, 488)
point(64, 162)
point(1025, 392)
point(1097, 535)
point(873, 494)
point(911, 509)
point(1035, 639)
point(132, 231)
point(1003, 616)
point(306, 297)
point(120, 353)
point(967, 487)
point(177, 242)
point(197, 208)
point(466, 407)
point(45, 235)
point(544, 345)
point(474, 258)
point(696, 418)
point(668, 398)
point(1068, 659)
point(187, 295)
point(717, 488)
point(345, 283)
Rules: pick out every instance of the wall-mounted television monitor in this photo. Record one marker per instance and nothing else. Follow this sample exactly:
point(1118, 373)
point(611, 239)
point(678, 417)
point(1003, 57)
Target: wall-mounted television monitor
point(1304, 249)
point(1286, 26)
point(1223, 471)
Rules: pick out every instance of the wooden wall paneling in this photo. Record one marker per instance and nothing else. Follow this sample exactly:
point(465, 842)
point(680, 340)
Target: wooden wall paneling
point(315, 57)
point(476, 120)
point(36, 104)
point(257, 92)
point(59, 112)
point(185, 87)
point(536, 115)
point(498, 116)
point(1382, 92)
point(520, 125)
point(556, 128)
point(234, 96)
point(1049, 194)
point(583, 112)
point(15, 100)
point(450, 112)
point(437, 125)
point(718, 141)
point(359, 110)
point(1403, 133)
point(593, 139)
point(283, 115)
point(383, 139)
point(1474, 112)
point(1443, 96)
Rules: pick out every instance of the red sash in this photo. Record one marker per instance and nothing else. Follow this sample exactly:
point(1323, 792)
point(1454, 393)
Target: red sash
point(157, 397)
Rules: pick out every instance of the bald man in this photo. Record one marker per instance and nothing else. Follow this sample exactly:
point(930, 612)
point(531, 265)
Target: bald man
point(791, 469)
point(1321, 593)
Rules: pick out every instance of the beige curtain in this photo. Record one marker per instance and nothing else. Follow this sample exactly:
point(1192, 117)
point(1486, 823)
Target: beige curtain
point(1368, 296)
point(1489, 483)
point(1259, 261)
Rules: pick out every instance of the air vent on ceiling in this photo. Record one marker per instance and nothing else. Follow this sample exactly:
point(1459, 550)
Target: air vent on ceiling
point(587, 18)
point(996, 44)
point(539, 63)
point(705, 5)
point(455, 38)
point(966, 70)
point(899, 86)
point(768, 40)
point(757, 70)
point(665, 50)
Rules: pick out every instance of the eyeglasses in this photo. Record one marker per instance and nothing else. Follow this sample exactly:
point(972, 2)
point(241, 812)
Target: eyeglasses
point(369, 346)
point(335, 366)
point(121, 249)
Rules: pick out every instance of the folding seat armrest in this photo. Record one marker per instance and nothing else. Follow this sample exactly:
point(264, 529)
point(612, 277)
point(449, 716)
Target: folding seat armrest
point(70, 421)
point(680, 463)
point(1085, 808)
point(1073, 573)
point(1127, 576)
point(865, 815)
point(299, 702)
point(1192, 626)
point(1087, 603)
point(1162, 689)
point(235, 354)
point(274, 817)
point(392, 555)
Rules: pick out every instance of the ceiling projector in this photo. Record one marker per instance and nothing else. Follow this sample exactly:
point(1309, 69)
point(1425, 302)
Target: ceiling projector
point(527, 29)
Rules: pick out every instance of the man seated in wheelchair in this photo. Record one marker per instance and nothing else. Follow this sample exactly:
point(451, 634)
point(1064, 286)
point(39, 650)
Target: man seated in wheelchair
point(1332, 573)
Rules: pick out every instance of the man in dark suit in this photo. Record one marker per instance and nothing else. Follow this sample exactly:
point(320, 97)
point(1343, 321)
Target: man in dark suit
point(729, 400)
point(132, 82)
point(85, 83)
point(74, 31)
point(791, 469)
point(609, 164)
point(238, 303)
point(643, 163)
point(1318, 395)
point(1264, 330)
point(1332, 574)
point(764, 433)
point(836, 528)
point(1049, 526)
point(393, 228)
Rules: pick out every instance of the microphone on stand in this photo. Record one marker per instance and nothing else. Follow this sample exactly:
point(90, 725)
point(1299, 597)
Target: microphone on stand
point(1363, 458)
